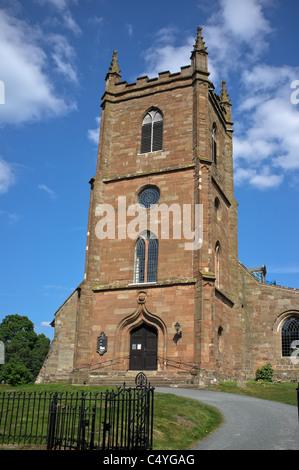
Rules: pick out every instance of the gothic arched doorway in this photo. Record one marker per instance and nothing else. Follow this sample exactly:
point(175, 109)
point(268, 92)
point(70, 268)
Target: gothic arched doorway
point(143, 348)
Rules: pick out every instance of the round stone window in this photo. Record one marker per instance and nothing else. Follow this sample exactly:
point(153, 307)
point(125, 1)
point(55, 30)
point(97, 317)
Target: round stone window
point(149, 196)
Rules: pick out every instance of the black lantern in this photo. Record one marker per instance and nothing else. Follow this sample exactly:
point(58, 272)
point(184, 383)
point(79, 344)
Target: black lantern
point(178, 329)
point(178, 334)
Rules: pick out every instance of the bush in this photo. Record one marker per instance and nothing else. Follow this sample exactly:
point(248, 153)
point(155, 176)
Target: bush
point(265, 373)
point(15, 373)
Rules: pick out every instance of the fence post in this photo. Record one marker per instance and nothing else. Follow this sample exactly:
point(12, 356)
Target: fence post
point(83, 422)
point(52, 422)
point(105, 424)
point(93, 420)
point(152, 416)
point(298, 399)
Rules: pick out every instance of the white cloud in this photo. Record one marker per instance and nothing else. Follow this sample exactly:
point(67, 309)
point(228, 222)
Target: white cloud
point(47, 190)
point(272, 133)
point(244, 18)
point(71, 24)
point(237, 26)
point(11, 217)
point(7, 177)
point(129, 29)
point(235, 35)
point(264, 78)
point(266, 135)
point(59, 4)
point(29, 95)
point(267, 126)
point(261, 179)
point(93, 134)
point(163, 55)
point(64, 56)
point(65, 15)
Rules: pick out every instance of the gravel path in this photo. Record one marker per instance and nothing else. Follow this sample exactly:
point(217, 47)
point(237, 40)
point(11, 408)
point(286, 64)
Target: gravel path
point(250, 423)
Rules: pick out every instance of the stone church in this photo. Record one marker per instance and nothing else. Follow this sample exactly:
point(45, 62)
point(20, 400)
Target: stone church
point(163, 289)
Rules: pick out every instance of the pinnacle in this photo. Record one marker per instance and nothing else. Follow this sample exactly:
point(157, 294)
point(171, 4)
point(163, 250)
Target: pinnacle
point(199, 43)
point(224, 95)
point(114, 67)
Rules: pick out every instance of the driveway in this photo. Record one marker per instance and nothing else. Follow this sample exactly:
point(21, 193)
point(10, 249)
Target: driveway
point(249, 423)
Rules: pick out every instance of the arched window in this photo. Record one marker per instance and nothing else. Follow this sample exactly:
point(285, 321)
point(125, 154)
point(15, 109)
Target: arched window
point(217, 209)
point(146, 258)
point(214, 144)
point(217, 264)
point(152, 132)
point(220, 339)
point(290, 336)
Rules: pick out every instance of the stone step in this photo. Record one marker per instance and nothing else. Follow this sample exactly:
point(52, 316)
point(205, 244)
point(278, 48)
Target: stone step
point(155, 379)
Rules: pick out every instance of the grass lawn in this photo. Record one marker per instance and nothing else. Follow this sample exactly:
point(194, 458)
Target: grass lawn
point(179, 423)
point(283, 392)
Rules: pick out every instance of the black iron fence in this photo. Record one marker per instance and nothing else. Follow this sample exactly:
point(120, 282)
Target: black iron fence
point(24, 418)
point(117, 419)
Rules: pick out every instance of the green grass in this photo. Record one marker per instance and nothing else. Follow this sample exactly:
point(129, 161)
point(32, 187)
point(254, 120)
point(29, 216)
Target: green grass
point(283, 392)
point(179, 423)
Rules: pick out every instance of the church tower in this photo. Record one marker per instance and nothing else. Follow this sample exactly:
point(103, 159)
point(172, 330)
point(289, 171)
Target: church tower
point(161, 250)
point(161, 290)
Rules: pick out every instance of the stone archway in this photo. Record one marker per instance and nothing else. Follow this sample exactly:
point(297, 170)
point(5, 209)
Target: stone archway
point(141, 321)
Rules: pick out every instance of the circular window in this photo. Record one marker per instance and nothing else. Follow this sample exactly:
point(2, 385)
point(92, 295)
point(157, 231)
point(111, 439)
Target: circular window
point(149, 196)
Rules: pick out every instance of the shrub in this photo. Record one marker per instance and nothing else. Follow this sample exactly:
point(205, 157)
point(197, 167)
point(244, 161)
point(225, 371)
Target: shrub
point(265, 373)
point(15, 373)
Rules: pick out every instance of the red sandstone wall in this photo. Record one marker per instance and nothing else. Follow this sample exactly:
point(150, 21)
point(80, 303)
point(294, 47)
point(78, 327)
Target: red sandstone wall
point(117, 312)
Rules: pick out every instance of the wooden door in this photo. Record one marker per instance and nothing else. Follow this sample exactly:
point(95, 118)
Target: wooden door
point(143, 348)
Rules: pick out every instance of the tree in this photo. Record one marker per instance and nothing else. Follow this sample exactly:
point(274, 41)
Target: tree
point(25, 351)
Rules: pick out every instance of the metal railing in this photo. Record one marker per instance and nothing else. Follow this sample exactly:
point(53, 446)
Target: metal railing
point(24, 417)
point(168, 363)
point(117, 419)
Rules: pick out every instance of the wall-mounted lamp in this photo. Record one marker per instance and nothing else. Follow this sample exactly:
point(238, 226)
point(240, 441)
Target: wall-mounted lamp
point(178, 329)
point(178, 334)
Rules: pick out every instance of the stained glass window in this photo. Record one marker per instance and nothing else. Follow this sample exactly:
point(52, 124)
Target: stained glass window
point(149, 196)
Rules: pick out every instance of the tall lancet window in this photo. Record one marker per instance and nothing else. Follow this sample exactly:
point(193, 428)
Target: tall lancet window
point(152, 132)
point(214, 144)
point(146, 258)
point(217, 264)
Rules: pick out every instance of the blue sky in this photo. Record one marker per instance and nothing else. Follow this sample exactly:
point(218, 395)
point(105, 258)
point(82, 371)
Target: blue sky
point(54, 58)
